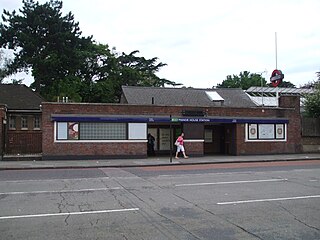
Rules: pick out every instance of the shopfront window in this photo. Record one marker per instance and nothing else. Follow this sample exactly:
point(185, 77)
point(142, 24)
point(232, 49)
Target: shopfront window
point(90, 131)
point(266, 132)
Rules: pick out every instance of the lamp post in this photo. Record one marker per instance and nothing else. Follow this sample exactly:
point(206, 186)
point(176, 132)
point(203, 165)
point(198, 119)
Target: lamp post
point(170, 139)
point(3, 125)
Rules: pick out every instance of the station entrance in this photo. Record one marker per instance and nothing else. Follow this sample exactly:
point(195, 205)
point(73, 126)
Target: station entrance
point(217, 139)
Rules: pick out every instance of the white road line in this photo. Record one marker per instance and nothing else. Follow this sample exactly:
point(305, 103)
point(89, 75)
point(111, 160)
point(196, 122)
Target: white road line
point(53, 179)
point(233, 182)
point(69, 213)
point(201, 175)
point(61, 191)
point(268, 200)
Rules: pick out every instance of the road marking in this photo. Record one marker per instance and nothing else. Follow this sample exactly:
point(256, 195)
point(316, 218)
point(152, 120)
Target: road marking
point(53, 179)
point(69, 213)
point(62, 191)
point(268, 200)
point(233, 182)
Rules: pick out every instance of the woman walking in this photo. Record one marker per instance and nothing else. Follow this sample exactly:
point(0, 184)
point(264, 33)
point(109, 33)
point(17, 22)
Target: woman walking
point(180, 147)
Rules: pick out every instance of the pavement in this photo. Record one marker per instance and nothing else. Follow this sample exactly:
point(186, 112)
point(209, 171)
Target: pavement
point(8, 164)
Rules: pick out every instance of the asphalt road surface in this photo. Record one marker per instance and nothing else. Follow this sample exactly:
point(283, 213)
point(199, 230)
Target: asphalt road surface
point(277, 200)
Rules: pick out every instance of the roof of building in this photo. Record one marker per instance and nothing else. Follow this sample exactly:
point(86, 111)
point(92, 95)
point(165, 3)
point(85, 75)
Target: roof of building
point(19, 97)
point(281, 90)
point(226, 97)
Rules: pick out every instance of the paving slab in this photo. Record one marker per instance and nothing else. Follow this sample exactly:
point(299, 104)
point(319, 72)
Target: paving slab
point(8, 164)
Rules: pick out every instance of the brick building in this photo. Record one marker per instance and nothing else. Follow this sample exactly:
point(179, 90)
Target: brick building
point(215, 121)
point(20, 114)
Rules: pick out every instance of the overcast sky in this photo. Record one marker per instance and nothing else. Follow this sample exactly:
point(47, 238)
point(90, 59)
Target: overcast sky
point(204, 41)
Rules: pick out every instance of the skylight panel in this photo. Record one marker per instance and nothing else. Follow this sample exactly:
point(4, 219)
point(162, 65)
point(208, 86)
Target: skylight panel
point(214, 96)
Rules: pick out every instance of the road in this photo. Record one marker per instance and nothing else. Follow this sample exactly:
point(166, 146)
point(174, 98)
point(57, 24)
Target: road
point(276, 200)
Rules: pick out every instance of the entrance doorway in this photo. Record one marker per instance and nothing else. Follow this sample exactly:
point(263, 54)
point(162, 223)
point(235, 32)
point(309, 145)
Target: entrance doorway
point(219, 139)
point(161, 134)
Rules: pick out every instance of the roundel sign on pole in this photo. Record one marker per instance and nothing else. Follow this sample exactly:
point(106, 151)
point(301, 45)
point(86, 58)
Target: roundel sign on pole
point(276, 77)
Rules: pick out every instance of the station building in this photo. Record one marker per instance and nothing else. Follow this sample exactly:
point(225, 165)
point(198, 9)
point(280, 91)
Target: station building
point(214, 121)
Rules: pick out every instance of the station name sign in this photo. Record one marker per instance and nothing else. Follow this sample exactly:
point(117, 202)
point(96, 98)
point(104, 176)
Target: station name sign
point(190, 120)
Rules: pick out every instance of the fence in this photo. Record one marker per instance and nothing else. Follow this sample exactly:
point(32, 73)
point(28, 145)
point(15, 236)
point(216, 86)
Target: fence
point(311, 134)
point(310, 127)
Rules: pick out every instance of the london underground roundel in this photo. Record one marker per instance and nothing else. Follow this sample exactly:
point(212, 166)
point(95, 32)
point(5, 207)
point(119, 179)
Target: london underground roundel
point(276, 77)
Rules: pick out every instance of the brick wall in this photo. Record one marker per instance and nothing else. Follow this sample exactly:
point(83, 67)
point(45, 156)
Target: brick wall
point(288, 109)
point(24, 142)
point(193, 148)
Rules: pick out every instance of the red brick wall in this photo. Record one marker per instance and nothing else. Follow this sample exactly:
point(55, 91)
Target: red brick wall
point(194, 148)
point(288, 109)
point(293, 143)
point(93, 150)
point(24, 142)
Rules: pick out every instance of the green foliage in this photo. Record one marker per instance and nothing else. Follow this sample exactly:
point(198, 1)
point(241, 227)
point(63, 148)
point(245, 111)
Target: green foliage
point(245, 80)
point(64, 63)
point(312, 101)
point(284, 84)
point(131, 70)
point(44, 40)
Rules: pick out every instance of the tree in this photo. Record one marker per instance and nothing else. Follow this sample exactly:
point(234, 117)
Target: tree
point(45, 41)
point(312, 101)
point(131, 70)
point(107, 70)
point(284, 84)
point(64, 63)
point(245, 80)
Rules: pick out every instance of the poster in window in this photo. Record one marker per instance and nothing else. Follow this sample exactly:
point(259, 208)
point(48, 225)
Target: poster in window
point(253, 131)
point(73, 131)
point(279, 131)
point(164, 138)
point(266, 131)
point(208, 135)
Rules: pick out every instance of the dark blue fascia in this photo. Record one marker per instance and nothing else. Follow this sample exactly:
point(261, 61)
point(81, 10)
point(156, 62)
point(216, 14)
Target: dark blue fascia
point(133, 119)
point(109, 119)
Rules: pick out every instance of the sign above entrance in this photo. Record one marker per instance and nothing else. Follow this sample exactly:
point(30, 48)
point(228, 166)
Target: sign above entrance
point(158, 119)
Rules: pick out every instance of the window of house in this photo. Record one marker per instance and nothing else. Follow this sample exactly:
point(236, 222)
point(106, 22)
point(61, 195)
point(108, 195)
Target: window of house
point(36, 122)
point(24, 123)
point(266, 132)
point(12, 122)
point(91, 131)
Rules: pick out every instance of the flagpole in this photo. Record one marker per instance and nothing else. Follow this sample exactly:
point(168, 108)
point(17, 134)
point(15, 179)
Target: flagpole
point(276, 48)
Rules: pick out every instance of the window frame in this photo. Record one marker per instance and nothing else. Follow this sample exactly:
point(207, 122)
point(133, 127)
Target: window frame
point(36, 120)
point(254, 132)
point(24, 122)
point(12, 119)
point(79, 139)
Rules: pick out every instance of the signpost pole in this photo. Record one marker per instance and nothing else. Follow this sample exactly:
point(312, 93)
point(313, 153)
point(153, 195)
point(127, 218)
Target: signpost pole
point(170, 139)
